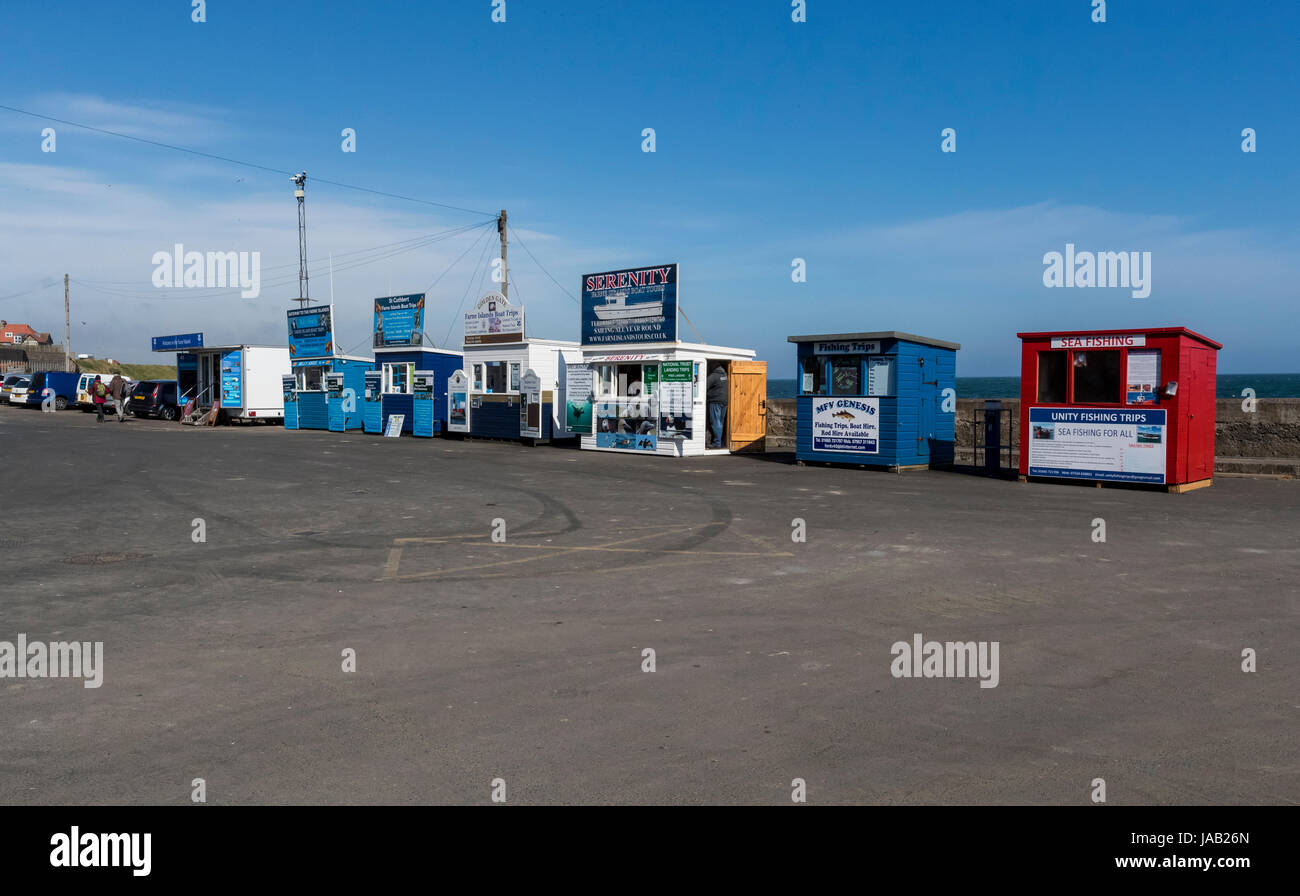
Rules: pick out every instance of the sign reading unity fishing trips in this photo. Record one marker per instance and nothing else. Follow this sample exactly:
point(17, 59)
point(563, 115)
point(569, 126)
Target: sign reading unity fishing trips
point(1097, 443)
point(579, 398)
point(631, 305)
point(494, 320)
point(311, 332)
point(846, 425)
point(399, 320)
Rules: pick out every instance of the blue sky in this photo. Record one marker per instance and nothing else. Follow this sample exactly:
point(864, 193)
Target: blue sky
point(775, 141)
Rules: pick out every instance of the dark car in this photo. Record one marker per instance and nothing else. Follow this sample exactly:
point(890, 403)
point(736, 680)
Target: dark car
point(154, 398)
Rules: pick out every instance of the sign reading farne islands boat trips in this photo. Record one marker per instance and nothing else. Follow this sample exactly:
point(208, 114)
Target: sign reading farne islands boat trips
point(632, 305)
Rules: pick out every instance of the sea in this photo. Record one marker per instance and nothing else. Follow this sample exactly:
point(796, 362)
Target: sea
point(1230, 385)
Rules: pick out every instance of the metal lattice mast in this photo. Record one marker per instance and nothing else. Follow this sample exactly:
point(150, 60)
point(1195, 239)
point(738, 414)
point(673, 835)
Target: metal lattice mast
point(300, 192)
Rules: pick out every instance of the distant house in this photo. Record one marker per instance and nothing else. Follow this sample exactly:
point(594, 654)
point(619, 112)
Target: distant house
point(17, 334)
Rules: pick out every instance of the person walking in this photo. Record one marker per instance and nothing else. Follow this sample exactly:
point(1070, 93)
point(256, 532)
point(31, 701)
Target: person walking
point(99, 395)
point(716, 394)
point(117, 388)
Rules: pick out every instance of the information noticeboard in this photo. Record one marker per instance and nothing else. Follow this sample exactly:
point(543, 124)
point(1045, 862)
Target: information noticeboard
point(1114, 444)
point(579, 398)
point(676, 399)
point(395, 424)
point(311, 332)
point(289, 383)
point(232, 379)
point(1142, 380)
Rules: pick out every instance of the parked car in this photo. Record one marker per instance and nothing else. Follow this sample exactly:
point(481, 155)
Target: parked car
point(63, 386)
point(154, 398)
point(17, 392)
point(6, 385)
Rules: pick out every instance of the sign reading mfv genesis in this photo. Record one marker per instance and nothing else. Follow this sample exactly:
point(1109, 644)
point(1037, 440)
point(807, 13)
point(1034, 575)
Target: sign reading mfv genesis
point(493, 321)
point(846, 425)
point(630, 305)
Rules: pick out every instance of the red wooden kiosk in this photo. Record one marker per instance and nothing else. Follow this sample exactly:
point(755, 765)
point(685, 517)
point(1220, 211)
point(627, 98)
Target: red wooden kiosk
point(1131, 406)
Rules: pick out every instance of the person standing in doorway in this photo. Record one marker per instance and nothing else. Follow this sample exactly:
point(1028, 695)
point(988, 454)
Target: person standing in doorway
point(99, 395)
point(117, 388)
point(716, 394)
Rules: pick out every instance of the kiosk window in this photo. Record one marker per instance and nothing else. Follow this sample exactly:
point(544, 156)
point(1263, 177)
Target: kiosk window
point(1051, 377)
point(846, 376)
point(496, 376)
point(1097, 377)
point(810, 376)
point(629, 380)
point(311, 379)
point(397, 378)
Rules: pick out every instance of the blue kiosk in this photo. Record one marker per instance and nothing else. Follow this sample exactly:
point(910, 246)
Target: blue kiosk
point(406, 372)
point(327, 386)
point(885, 399)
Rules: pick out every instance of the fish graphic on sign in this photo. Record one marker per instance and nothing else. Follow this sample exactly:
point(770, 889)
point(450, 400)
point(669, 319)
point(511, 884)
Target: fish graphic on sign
point(845, 415)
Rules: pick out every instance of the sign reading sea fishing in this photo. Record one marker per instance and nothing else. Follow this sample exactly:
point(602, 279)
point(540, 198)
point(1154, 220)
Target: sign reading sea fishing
point(1098, 341)
point(846, 425)
point(632, 305)
point(399, 320)
point(494, 320)
point(1098, 443)
point(311, 332)
point(676, 399)
point(579, 398)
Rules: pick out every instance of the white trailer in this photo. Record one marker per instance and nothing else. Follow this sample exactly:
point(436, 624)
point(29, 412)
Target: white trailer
point(246, 379)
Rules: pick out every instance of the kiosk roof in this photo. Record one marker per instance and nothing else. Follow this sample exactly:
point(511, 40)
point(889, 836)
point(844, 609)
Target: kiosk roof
point(879, 334)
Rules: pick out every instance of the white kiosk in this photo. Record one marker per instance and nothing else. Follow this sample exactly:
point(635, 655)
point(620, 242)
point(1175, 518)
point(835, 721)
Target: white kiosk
point(639, 389)
point(499, 356)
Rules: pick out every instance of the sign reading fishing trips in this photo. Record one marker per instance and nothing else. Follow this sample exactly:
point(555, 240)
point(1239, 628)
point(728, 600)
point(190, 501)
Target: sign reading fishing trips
point(399, 320)
point(846, 425)
point(311, 332)
point(493, 321)
point(1127, 445)
point(631, 305)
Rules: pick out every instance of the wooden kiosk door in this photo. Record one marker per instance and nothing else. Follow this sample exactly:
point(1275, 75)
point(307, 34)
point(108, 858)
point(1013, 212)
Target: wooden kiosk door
point(747, 406)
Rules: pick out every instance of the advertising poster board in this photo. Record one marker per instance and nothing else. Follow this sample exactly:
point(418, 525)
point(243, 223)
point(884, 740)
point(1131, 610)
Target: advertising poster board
point(630, 305)
point(289, 382)
point(458, 402)
point(530, 405)
point(1098, 443)
point(395, 424)
point(493, 321)
point(846, 425)
point(1143, 378)
point(232, 379)
point(311, 332)
point(399, 320)
point(676, 399)
point(579, 399)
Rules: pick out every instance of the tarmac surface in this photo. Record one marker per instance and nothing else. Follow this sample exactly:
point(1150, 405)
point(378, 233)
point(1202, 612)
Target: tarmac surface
point(523, 660)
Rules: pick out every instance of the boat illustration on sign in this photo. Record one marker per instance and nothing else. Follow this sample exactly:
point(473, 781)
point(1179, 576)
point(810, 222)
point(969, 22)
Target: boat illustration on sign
point(617, 308)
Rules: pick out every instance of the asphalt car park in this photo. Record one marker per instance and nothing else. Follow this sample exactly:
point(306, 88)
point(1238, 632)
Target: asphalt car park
point(524, 657)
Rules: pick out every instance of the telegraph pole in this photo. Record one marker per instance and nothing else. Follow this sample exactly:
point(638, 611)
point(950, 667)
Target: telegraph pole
point(67, 329)
point(505, 277)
